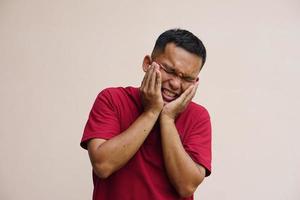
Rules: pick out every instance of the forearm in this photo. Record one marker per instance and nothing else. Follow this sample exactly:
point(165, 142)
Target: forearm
point(182, 171)
point(117, 151)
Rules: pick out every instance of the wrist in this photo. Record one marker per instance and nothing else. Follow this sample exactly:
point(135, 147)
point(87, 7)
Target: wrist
point(164, 118)
point(152, 113)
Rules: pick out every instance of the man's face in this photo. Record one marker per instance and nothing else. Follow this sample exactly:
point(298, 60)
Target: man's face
point(179, 69)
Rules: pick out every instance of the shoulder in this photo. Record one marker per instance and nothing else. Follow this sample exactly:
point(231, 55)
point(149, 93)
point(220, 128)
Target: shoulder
point(110, 91)
point(118, 90)
point(115, 92)
point(197, 110)
point(119, 96)
point(194, 115)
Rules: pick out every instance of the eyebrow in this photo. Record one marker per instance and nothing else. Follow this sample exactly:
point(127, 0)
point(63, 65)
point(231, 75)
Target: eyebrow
point(173, 68)
point(168, 66)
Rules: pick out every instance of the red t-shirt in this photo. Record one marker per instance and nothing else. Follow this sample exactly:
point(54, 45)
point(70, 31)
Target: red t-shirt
point(144, 177)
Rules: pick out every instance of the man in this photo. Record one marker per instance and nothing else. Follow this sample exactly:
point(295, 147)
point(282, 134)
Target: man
point(152, 142)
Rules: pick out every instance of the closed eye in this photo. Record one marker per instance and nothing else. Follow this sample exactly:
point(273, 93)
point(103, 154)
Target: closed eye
point(170, 71)
point(167, 69)
point(189, 79)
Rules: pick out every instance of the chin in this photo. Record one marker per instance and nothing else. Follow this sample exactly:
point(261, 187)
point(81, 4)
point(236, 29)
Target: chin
point(166, 101)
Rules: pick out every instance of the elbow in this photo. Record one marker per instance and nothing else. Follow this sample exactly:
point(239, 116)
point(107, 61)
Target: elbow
point(186, 191)
point(102, 170)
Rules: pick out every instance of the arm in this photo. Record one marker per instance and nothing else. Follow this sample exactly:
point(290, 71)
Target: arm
point(107, 156)
point(183, 172)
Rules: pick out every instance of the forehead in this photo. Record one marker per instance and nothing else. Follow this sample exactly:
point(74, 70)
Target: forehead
point(180, 59)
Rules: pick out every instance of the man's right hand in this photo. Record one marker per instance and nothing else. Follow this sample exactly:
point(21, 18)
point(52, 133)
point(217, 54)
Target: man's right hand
point(108, 156)
point(151, 90)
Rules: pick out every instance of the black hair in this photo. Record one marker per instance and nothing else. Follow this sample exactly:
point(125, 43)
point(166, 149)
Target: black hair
point(181, 38)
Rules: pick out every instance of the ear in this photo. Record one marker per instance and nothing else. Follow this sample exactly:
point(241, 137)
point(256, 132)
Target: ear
point(146, 62)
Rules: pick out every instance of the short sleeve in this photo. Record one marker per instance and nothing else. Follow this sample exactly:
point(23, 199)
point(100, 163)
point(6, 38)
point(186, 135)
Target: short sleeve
point(198, 141)
point(103, 121)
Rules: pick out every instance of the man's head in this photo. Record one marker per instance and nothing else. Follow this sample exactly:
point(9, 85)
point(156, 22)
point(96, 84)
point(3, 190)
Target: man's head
point(181, 38)
point(181, 56)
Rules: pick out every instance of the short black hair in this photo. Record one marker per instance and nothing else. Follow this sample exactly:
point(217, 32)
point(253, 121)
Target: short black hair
point(181, 38)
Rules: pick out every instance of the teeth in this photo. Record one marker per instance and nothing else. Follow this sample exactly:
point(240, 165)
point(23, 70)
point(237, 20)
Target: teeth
point(170, 94)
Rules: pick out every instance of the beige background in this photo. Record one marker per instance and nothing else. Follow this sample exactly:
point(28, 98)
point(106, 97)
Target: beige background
point(55, 56)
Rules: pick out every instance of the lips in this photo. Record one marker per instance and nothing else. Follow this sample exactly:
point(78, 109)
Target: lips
point(168, 95)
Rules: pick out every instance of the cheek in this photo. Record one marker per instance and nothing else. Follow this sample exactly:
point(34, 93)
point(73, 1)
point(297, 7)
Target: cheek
point(165, 83)
point(163, 79)
point(184, 87)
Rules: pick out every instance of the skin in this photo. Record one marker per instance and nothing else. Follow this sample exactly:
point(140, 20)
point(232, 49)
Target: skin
point(164, 97)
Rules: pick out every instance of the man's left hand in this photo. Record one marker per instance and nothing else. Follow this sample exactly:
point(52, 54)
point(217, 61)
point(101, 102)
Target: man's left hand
point(172, 109)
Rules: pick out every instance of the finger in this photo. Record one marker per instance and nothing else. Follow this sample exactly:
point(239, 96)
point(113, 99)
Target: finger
point(191, 94)
point(152, 78)
point(158, 76)
point(183, 98)
point(155, 64)
point(158, 81)
point(147, 77)
point(195, 89)
point(187, 92)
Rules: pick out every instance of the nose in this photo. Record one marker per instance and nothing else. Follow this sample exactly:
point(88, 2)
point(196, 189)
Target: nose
point(175, 83)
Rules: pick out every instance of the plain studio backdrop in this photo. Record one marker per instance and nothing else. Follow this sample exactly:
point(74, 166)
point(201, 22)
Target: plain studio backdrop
point(55, 56)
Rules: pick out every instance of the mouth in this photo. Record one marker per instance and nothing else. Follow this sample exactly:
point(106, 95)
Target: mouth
point(168, 95)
